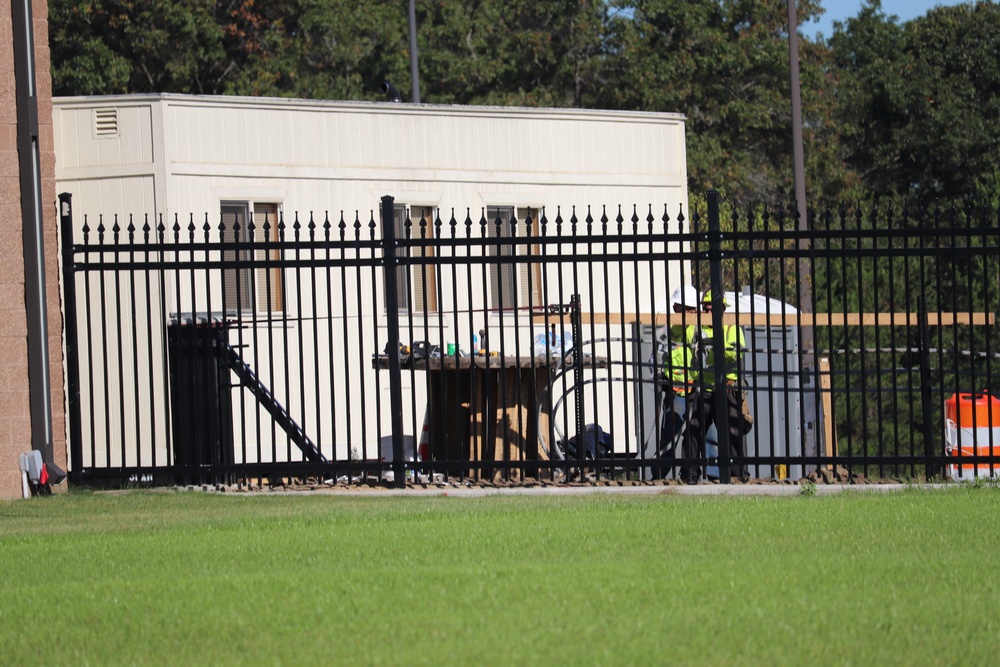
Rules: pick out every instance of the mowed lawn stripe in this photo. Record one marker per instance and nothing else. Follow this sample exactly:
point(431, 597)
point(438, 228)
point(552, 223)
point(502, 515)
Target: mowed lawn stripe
point(191, 578)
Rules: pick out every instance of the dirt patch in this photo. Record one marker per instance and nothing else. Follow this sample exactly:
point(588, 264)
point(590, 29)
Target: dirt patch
point(838, 475)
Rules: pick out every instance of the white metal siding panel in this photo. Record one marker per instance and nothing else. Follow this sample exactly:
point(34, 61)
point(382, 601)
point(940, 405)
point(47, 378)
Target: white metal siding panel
point(233, 149)
point(217, 139)
point(135, 128)
point(109, 197)
point(308, 136)
point(67, 136)
point(433, 146)
point(131, 145)
point(79, 145)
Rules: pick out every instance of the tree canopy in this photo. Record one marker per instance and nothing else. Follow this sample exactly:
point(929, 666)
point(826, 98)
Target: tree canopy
point(902, 109)
point(725, 65)
point(920, 102)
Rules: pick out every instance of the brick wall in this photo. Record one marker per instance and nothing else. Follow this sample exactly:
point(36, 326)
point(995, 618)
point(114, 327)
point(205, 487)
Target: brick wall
point(15, 414)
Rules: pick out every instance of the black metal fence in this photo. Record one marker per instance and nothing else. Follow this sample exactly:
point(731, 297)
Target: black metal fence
point(507, 345)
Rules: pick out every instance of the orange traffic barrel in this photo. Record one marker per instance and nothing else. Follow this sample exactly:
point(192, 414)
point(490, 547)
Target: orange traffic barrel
point(972, 428)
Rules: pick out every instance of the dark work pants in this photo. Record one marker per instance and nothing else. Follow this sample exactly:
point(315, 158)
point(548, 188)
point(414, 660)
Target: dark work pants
point(701, 415)
point(673, 411)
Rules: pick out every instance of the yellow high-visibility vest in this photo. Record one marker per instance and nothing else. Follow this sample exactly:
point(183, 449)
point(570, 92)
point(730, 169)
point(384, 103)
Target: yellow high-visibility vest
point(734, 342)
point(681, 363)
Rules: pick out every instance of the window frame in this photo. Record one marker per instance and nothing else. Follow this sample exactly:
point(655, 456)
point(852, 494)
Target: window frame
point(416, 287)
point(525, 289)
point(257, 291)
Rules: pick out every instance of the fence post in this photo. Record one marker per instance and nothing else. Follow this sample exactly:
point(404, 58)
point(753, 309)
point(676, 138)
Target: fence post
point(930, 470)
point(72, 341)
point(576, 324)
point(718, 335)
point(392, 341)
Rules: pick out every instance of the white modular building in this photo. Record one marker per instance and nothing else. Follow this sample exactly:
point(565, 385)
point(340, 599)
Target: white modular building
point(204, 159)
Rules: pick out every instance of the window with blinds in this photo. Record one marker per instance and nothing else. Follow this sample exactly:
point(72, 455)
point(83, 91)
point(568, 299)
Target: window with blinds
point(248, 289)
point(513, 284)
point(416, 284)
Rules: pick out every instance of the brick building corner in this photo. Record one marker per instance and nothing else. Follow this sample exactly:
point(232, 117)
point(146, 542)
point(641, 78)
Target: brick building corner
point(15, 403)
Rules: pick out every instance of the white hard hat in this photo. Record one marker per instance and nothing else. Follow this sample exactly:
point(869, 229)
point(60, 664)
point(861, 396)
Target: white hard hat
point(686, 296)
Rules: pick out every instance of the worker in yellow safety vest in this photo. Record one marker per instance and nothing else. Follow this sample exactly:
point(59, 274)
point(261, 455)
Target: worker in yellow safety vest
point(701, 399)
point(679, 370)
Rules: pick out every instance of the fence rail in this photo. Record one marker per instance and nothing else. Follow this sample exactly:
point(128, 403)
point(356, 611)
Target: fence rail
point(507, 348)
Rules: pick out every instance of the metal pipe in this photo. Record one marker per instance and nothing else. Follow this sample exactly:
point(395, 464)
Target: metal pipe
point(392, 332)
point(391, 92)
point(39, 381)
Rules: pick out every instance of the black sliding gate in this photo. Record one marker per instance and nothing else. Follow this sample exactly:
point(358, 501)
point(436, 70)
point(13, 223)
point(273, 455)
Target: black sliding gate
point(487, 348)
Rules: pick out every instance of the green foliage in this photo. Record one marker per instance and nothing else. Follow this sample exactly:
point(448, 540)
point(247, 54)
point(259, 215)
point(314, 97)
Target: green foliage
point(518, 52)
point(302, 48)
point(486, 52)
point(137, 46)
point(869, 263)
point(888, 108)
point(725, 65)
point(920, 102)
point(760, 250)
point(344, 50)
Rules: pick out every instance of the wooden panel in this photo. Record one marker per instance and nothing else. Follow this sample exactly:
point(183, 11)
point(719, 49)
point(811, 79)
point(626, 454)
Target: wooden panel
point(785, 320)
point(829, 428)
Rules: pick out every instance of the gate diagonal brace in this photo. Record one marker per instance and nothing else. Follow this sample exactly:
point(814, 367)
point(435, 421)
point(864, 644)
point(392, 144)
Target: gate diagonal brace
point(271, 404)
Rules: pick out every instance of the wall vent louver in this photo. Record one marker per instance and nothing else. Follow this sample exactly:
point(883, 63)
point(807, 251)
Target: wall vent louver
point(106, 122)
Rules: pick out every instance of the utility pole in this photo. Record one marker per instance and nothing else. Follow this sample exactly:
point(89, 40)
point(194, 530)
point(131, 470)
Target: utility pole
point(798, 154)
point(807, 352)
point(414, 69)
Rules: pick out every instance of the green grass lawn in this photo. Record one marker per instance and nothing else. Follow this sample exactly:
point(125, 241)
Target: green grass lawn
point(905, 578)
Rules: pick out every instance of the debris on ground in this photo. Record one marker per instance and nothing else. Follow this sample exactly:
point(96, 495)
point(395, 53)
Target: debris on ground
point(838, 475)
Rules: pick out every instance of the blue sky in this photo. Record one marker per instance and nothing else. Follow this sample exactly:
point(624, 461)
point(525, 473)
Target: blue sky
point(841, 10)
